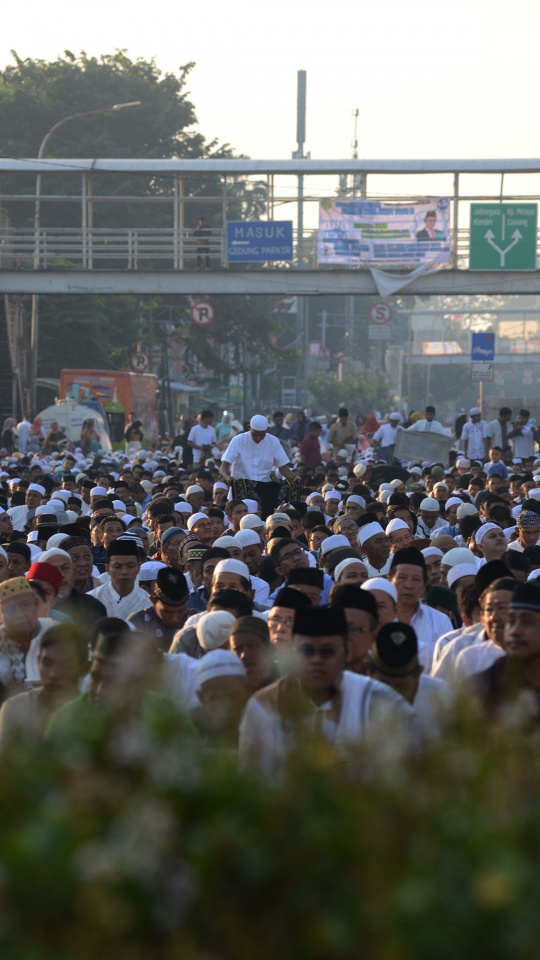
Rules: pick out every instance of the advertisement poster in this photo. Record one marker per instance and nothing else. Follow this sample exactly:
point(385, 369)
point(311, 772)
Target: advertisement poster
point(360, 232)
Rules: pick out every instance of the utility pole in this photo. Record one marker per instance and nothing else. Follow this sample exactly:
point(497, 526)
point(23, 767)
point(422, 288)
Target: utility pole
point(299, 154)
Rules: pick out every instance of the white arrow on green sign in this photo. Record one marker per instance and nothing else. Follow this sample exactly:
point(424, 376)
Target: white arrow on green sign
point(503, 236)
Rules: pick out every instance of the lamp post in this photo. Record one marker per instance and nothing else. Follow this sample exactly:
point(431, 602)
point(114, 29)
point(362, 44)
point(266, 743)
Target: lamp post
point(37, 214)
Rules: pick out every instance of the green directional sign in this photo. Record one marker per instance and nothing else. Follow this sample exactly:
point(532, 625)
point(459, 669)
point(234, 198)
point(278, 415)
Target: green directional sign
point(503, 236)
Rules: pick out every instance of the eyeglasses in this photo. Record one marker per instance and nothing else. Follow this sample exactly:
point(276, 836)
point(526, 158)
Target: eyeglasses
point(282, 623)
point(308, 651)
point(291, 555)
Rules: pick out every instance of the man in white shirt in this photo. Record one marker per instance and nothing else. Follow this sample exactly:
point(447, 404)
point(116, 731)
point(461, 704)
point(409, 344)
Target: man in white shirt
point(23, 432)
point(409, 576)
point(386, 436)
point(499, 429)
point(475, 436)
point(428, 424)
point(252, 456)
point(202, 437)
point(121, 596)
point(375, 549)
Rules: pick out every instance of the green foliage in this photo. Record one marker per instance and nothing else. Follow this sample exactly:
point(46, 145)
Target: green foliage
point(161, 854)
point(361, 390)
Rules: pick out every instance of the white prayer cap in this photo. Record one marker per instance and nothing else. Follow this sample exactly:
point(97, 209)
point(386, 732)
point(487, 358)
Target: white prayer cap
point(346, 563)
point(252, 505)
point(233, 566)
point(56, 540)
point(258, 422)
point(517, 460)
point(326, 487)
point(219, 663)
point(219, 485)
point(359, 470)
point(396, 483)
point(195, 488)
point(466, 510)
point(473, 411)
point(44, 509)
point(182, 507)
point(508, 532)
point(313, 495)
point(485, 528)
point(14, 481)
point(56, 506)
point(379, 583)
point(332, 543)
point(432, 552)
point(149, 570)
point(4, 554)
point(142, 454)
point(225, 542)
point(452, 502)
point(54, 552)
point(37, 488)
point(463, 462)
point(458, 555)
point(62, 495)
point(368, 531)
point(536, 476)
point(440, 484)
point(33, 535)
point(534, 494)
point(279, 517)
point(460, 570)
point(332, 495)
point(396, 525)
point(213, 629)
point(417, 471)
point(386, 486)
point(428, 503)
point(354, 498)
point(247, 538)
point(195, 519)
point(127, 518)
point(343, 453)
point(394, 416)
point(35, 551)
point(98, 492)
point(250, 522)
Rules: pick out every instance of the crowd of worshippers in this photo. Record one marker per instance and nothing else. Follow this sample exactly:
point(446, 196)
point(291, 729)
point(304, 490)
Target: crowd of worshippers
point(129, 588)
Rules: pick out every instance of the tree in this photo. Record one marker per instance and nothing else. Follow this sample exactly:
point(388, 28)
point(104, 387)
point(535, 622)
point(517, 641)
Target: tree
point(360, 390)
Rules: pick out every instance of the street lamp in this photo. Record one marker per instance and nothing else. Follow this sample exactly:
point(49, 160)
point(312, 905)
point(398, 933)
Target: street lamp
point(37, 214)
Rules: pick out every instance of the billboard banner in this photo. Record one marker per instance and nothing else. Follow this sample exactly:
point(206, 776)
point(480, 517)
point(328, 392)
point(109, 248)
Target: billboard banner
point(357, 232)
point(411, 445)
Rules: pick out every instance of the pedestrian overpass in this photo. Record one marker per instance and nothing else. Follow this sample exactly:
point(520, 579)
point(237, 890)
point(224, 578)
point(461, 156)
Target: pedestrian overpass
point(111, 247)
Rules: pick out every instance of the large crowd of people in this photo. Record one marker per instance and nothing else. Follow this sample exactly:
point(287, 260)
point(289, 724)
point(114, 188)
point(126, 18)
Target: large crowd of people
point(256, 587)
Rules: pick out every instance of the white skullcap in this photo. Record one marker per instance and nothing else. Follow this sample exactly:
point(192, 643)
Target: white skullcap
point(44, 509)
point(4, 554)
point(346, 563)
point(313, 495)
point(118, 505)
point(432, 552)
point(127, 518)
point(517, 460)
point(147, 486)
point(219, 485)
point(466, 510)
point(258, 422)
point(534, 494)
point(219, 663)
point(354, 498)
point(379, 583)
point(33, 535)
point(440, 484)
point(55, 552)
point(343, 453)
point(182, 507)
point(385, 495)
point(463, 462)
point(37, 488)
point(195, 488)
point(368, 531)
point(458, 555)
point(250, 522)
point(225, 541)
point(386, 486)
point(460, 570)
point(56, 540)
point(332, 495)
point(35, 552)
point(428, 503)
point(394, 416)
point(452, 502)
point(14, 481)
point(417, 471)
point(473, 411)
point(149, 570)
point(62, 495)
point(233, 566)
point(326, 487)
point(195, 519)
point(485, 528)
point(396, 525)
point(252, 505)
point(280, 517)
point(213, 629)
point(57, 506)
point(396, 483)
point(247, 538)
point(98, 492)
point(359, 470)
point(332, 543)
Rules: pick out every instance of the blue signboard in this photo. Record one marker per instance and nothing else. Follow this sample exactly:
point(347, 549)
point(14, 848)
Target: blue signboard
point(259, 240)
point(483, 346)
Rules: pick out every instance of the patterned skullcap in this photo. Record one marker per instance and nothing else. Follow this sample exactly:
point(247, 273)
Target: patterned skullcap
point(527, 519)
point(13, 587)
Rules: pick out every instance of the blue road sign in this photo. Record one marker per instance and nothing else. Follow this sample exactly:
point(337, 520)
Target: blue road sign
point(483, 346)
point(259, 240)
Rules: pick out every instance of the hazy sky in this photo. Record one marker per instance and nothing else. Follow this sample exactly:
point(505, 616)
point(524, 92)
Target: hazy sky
point(450, 79)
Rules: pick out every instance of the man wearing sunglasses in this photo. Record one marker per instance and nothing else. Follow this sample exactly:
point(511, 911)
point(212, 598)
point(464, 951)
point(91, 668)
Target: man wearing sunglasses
point(318, 699)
